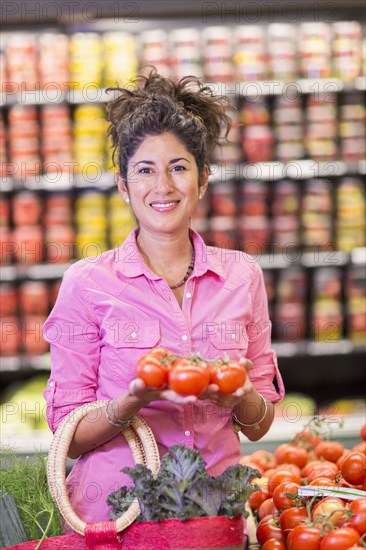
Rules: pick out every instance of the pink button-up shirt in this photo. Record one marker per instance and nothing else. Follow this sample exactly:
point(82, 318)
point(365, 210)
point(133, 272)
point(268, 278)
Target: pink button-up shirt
point(112, 309)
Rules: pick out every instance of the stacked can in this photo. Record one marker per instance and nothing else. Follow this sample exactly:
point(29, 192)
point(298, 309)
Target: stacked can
point(153, 49)
point(6, 246)
point(356, 300)
point(351, 209)
point(316, 215)
point(28, 238)
point(321, 126)
point(282, 54)
point(285, 216)
point(23, 142)
point(86, 62)
point(59, 232)
point(199, 220)
point(9, 322)
point(351, 130)
point(257, 136)
point(4, 167)
point(347, 37)
point(22, 62)
point(229, 150)
point(120, 58)
point(185, 48)
point(56, 142)
point(250, 54)
point(253, 223)
point(33, 310)
point(315, 50)
point(89, 141)
point(223, 211)
point(326, 315)
point(120, 219)
point(217, 54)
point(269, 283)
point(91, 222)
point(290, 309)
point(288, 129)
point(53, 62)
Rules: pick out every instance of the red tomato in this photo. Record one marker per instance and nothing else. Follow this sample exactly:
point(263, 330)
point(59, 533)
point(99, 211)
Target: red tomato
point(228, 375)
point(244, 461)
point(274, 544)
point(363, 432)
point(280, 476)
point(358, 519)
point(163, 354)
point(329, 450)
point(360, 447)
point(322, 482)
point(354, 468)
point(281, 495)
point(291, 467)
point(315, 463)
point(267, 529)
point(256, 498)
point(340, 460)
point(151, 371)
point(321, 471)
point(264, 459)
point(267, 508)
point(308, 439)
point(339, 538)
point(304, 537)
point(186, 378)
point(331, 508)
point(290, 454)
point(292, 517)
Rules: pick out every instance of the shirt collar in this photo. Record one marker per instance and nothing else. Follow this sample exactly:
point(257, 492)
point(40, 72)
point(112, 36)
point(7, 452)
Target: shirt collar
point(130, 263)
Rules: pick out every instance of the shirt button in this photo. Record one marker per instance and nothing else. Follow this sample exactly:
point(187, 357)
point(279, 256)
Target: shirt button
point(188, 295)
point(233, 336)
point(184, 337)
point(51, 384)
point(133, 334)
point(187, 433)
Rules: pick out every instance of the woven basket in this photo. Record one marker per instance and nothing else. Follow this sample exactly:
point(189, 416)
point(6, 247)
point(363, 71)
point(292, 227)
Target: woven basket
point(201, 533)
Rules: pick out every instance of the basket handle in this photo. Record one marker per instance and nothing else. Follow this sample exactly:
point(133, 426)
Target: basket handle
point(140, 440)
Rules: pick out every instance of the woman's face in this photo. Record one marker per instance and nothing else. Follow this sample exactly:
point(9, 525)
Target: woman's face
point(162, 181)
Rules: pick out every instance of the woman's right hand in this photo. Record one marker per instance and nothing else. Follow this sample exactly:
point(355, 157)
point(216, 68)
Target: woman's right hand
point(141, 391)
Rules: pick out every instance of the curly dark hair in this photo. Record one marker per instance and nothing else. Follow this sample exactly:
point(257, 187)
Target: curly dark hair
point(156, 105)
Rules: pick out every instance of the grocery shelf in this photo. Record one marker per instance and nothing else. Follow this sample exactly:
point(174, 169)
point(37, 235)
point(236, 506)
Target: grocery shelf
point(264, 171)
point(277, 261)
point(345, 428)
point(91, 93)
point(297, 169)
point(283, 350)
point(21, 363)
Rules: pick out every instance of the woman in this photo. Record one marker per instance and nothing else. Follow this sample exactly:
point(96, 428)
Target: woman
point(162, 287)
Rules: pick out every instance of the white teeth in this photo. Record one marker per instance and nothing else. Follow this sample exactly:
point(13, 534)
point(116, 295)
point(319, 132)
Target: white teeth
point(165, 205)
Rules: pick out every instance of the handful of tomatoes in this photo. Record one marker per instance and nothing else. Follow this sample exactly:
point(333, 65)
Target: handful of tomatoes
point(289, 521)
point(189, 375)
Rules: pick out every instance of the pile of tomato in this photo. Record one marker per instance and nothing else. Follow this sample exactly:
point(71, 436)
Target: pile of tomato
point(289, 521)
point(189, 375)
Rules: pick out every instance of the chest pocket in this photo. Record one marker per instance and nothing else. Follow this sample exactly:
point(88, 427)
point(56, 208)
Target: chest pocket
point(230, 337)
point(132, 334)
point(125, 342)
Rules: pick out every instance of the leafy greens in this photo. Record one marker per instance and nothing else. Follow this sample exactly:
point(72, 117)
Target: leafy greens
point(184, 490)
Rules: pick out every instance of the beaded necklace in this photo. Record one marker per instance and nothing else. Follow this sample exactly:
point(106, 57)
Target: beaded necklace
point(186, 276)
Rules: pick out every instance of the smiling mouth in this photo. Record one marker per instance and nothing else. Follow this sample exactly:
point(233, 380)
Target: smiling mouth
point(164, 205)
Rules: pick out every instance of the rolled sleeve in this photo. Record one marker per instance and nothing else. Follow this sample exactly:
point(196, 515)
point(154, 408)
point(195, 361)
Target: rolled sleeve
point(265, 374)
point(73, 334)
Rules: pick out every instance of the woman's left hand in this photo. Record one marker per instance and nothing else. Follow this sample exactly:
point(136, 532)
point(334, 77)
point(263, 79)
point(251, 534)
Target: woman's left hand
point(230, 401)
